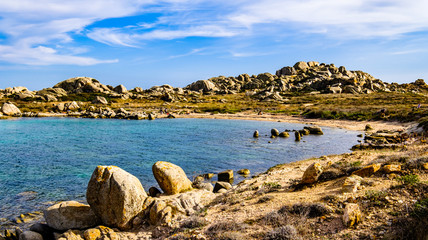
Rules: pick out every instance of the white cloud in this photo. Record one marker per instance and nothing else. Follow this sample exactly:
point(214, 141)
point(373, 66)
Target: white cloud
point(31, 26)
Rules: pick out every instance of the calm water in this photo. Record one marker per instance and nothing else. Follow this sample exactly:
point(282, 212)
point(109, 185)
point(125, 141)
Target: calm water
point(50, 159)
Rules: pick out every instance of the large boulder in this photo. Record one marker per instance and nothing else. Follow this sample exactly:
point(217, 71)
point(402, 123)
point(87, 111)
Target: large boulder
point(301, 66)
point(312, 173)
point(314, 130)
point(100, 100)
point(120, 89)
point(10, 109)
point(204, 85)
point(70, 215)
point(171, 178)
point(82, 85)
point(367, 171)
point(115, 195)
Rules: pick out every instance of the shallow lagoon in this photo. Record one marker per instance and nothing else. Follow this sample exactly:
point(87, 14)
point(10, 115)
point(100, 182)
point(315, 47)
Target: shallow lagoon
point(51, 159)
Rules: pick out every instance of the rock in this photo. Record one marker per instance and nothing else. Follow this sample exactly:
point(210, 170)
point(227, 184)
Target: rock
point(274, 132)
point(256, 134)
point(171, 178)
point(301, 66)
point(82, 85)
point(115, 195)
point(100, 233)
point(312, 173)
point(71, 106)
point(368, 127)
point(297, 136)
point(46, 231)
point(204, 185)
point(100, 100)
point(351, 215)
point(202, 85)
point(71, 235)
point(151, 116)
point(30, 235)
point(314, 130)
point(304, 132)
point(160, 213)
point(154, 192)
point(391, 168)
point(225, 176)
point(9, 109)
point(50, 98)
point(208, 175)
point(312, 64)
point(284, 134)
point(351, 184)
point(286, 71)
point(70, 215)
point(60, 107)
point(120, 89)
point(244, 171)
point(198, 179)
point(367, 171)
point(222, 185)
point(425, 166)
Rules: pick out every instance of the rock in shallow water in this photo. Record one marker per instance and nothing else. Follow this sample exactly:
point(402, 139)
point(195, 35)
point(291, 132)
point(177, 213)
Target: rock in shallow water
point(70, 215)
point(115, 196)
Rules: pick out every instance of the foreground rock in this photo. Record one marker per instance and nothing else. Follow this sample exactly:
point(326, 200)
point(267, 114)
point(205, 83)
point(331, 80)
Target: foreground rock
point(115, 196)
point(171, 178)
point(10, 109)
point(312, 173)
point(70, 215)
point(351, 215)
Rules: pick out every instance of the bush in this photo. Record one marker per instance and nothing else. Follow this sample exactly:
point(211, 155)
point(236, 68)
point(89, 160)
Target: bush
point(194, 222)
point(287, 232)
point(410, 179)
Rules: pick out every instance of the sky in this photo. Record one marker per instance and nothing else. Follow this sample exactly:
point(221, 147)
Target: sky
point(147, 43)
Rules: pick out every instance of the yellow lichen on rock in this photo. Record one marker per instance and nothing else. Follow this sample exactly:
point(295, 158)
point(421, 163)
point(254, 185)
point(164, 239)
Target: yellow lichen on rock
point(171, 178)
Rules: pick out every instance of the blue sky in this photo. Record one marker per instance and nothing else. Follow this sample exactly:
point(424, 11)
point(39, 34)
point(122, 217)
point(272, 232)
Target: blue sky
point(146, 42)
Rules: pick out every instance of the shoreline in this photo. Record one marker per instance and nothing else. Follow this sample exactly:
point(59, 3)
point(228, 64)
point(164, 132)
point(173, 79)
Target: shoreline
point(342, 124)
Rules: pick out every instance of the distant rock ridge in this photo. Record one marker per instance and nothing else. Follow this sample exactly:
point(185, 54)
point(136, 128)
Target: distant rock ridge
point(303, 77)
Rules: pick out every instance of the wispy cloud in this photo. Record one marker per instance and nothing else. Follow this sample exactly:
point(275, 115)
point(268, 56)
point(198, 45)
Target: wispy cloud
point(49, 27)
point(30, 27)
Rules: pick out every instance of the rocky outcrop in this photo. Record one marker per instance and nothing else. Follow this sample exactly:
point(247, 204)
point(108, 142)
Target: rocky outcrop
point(171, 178)
point(202, 85)
point(83, 85)
point(115, 196)
point(70, 215)
point(10, 109)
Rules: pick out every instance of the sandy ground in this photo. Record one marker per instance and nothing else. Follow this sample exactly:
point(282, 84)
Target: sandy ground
point(345, 124)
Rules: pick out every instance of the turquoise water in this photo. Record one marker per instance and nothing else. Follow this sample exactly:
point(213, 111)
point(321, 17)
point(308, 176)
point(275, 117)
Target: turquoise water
point(50, 159)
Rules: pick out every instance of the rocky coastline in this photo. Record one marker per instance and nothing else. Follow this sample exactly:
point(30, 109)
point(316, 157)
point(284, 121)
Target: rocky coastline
point(377, 191)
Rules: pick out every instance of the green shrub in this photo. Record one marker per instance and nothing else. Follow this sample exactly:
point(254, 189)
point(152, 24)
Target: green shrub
point(410, 179)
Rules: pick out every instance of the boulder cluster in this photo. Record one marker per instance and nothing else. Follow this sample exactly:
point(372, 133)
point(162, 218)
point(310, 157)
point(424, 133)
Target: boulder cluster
point(117, 199)
point(308, 77)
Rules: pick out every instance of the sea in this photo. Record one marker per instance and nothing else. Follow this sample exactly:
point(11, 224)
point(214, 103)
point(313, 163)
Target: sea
point(46, 160)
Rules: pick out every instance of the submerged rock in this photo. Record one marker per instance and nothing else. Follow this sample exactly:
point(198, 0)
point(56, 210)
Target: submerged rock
point(115, 195)
point(314, 130)
point(171, 178)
